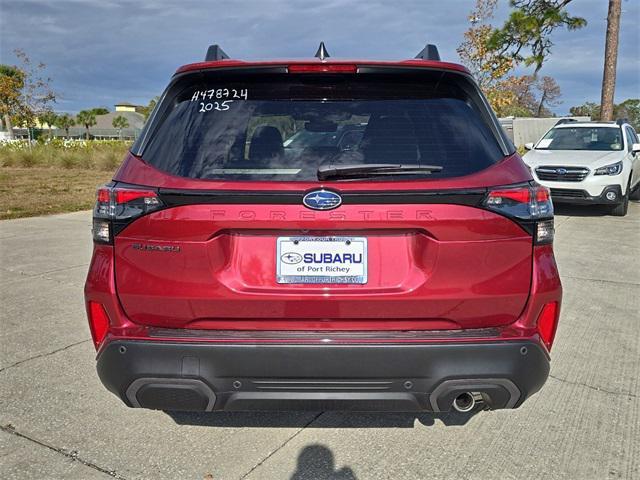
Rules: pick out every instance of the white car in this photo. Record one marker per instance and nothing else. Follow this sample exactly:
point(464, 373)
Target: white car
point(588, 163)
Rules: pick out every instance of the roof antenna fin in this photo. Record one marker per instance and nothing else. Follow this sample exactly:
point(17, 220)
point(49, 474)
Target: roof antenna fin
point(322, 52)
point(429, 52)
point(215, 53)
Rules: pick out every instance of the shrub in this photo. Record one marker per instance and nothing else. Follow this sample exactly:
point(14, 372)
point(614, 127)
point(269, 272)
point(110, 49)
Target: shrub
point(28, 158)
point(67, 160)
point(109, 160)
point(7, 161)
point(64, 153)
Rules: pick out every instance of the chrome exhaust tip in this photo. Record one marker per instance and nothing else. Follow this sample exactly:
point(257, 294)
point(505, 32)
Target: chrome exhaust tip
point(465, 402)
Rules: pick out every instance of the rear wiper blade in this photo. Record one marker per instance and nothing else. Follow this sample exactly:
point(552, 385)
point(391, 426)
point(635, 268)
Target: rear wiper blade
point(373, 169)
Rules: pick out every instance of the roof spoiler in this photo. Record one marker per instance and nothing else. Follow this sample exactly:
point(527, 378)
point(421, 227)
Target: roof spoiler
point(215, 53)
point(429, 52)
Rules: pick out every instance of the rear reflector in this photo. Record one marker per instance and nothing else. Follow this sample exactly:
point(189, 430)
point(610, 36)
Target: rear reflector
point(322, 68)
point(98, 322)
point(547, 323)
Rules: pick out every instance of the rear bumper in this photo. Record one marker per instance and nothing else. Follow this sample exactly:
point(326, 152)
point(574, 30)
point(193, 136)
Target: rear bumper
point(199, 376)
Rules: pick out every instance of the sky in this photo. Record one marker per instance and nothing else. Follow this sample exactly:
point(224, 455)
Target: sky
point(100, 52)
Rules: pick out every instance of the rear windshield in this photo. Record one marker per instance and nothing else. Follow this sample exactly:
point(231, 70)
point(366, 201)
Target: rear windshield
point(283, 127)
point(582, 138)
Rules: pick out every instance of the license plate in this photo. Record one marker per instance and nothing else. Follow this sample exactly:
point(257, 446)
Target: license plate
point(321, 260)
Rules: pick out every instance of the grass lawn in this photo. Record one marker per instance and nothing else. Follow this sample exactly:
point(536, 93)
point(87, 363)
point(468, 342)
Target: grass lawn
point(55, 175)
point(26, 192)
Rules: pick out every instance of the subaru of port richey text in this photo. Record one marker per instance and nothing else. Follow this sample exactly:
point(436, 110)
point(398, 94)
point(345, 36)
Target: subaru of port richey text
point(321, 234)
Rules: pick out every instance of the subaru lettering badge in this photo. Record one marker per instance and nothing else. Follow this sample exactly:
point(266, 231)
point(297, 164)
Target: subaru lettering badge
point(561, 171)
point(322, 200)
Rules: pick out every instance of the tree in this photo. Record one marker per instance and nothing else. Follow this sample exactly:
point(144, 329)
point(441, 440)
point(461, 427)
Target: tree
point(119, 123)
point(48, 118)
point(100, 110)
point(549, 91)
point(512, 96)
point(489, 68)
point(629, 109)
point(87, 118)
point(146, 111)
point(11, 85)
point(530, 26)
point(485, 64)
point(36, 95)
point(587, 109)
point(526, 34)
point(610, 60)
point(523, 96)
point(65, 122)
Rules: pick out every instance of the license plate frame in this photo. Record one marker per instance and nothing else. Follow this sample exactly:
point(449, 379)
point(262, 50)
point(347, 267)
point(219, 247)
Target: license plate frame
point(286, 269)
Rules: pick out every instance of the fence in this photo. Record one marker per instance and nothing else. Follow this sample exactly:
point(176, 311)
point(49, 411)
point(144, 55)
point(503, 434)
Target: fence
point(81, 132)
point(525, 130)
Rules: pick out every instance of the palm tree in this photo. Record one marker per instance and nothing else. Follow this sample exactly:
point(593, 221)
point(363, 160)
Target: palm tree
point(49, 119)
point(610, 60)
point(65, 122)
point(86, 118)
point(119, 123)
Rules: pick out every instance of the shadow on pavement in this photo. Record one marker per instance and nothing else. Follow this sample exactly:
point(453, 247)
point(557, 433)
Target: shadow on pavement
point(318, 419)
point(317, 462)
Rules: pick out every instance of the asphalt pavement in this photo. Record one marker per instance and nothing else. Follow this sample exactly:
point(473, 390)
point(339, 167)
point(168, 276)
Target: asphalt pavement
point(57, 421)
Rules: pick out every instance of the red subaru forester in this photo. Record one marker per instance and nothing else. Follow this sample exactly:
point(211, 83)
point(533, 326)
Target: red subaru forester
point(320, 234)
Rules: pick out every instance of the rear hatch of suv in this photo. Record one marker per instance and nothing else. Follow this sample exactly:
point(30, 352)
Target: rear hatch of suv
point(355, 198)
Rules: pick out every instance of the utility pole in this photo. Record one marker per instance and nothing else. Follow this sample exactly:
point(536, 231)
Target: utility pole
point(610, 60)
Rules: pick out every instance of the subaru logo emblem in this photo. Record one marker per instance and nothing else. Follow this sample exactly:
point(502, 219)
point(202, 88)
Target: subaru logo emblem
point(322, 200)
point(561, 171)
point(291, 258)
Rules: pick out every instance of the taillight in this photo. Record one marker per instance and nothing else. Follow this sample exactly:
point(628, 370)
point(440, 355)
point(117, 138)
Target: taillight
point(530, 205)
point(116, 206)
point(98, 322)
point(548, 323)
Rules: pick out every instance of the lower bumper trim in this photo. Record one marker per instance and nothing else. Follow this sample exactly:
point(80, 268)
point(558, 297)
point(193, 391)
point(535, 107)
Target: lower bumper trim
point(582, 197)
point(371, 377)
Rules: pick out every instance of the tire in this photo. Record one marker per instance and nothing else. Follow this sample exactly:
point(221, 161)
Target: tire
point(635, 193)
point(621, 209)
